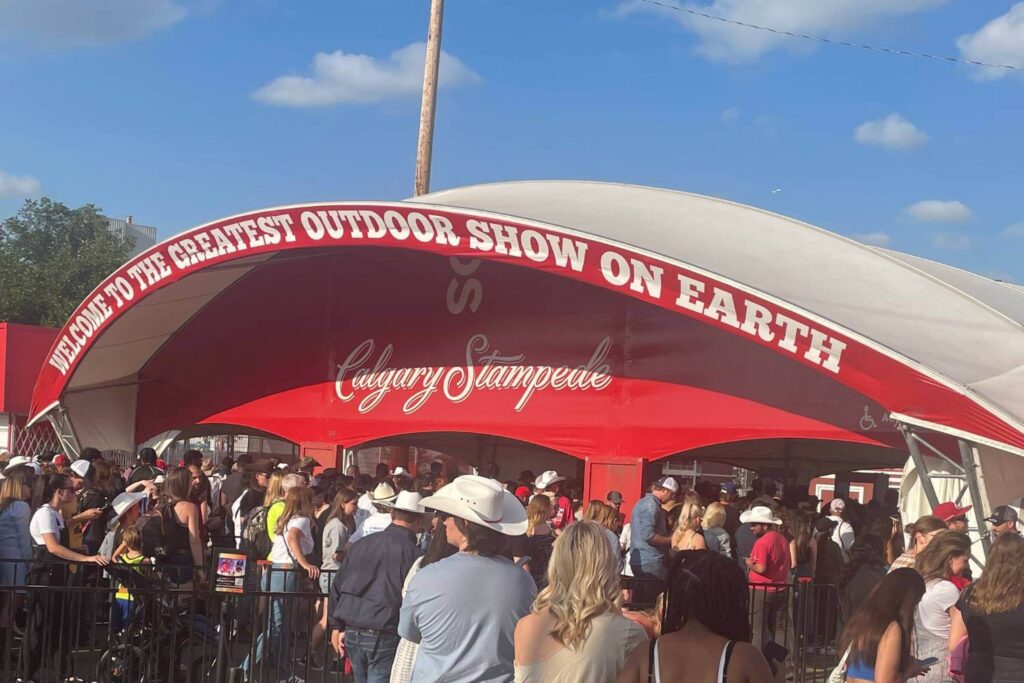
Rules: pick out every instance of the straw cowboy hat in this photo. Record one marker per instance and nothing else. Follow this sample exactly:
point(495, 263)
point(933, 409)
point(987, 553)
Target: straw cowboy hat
point(124, 502)
point(410, 501)
point(548, 478)
point(384, 493)
point(481, 501)
point(759, 514)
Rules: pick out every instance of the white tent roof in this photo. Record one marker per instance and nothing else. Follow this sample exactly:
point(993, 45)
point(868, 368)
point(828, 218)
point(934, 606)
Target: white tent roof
point(960, 325)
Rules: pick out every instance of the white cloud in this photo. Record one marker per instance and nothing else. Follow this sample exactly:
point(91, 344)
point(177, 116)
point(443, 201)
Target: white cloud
point(875, 239)
point(17, 186)
point(724, 42)
point(341, 78)
point(938, 211)
point(1014, 230)
point(945, 240)
point(729, 115)
point(1000, 41)
point(892, 132)
point(81, 23)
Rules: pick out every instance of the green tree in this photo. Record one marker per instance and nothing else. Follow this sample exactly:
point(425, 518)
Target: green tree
point(51, 258)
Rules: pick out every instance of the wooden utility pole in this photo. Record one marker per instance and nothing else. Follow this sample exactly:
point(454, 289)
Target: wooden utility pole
point(424, 147)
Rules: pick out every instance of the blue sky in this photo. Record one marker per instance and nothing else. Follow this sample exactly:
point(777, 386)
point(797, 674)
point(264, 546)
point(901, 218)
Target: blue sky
point(174, 111)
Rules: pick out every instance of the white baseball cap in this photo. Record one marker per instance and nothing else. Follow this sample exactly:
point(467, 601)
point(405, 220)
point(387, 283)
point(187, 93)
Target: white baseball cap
point(80, 468)
point(669, 483)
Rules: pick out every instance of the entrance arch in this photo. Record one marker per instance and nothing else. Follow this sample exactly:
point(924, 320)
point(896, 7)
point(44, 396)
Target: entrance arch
point(617, 324)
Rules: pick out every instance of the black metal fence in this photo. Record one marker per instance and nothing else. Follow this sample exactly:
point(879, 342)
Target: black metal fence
point(129, 624)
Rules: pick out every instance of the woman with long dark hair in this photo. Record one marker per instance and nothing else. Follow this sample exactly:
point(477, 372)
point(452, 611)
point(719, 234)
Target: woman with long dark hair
point(337, 530)
point(49, 629)
point(705, 628)
point(865, 571)
point(992, 608)
point(877, 639)
point(182, 536)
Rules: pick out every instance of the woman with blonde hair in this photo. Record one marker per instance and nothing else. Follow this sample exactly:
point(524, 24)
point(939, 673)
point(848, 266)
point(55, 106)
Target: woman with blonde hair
point(687, 535)
point(576, 632)
point(992, 609)
point(716, 538)
point(293, 542)
point(938, 625)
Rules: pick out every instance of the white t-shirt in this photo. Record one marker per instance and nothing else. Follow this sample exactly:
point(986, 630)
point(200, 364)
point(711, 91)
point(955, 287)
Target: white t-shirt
point(939, 596)
point(280, 554)
point(378, 521)
point(46, 520)
point(843, 536)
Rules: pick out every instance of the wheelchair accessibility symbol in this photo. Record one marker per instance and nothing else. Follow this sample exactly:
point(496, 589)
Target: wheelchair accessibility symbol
point(867, 423)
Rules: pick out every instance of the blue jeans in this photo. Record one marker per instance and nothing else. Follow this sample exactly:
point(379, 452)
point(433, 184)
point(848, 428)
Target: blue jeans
point(272, 645)
point(371, 654)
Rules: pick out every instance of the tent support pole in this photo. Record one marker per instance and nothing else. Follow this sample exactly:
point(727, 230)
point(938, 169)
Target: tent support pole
point(65, 431)
point(969, 456)
point(936, 451)
point(920, 465)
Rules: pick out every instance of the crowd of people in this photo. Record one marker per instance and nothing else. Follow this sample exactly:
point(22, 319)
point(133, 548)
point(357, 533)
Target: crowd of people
point(431, 576)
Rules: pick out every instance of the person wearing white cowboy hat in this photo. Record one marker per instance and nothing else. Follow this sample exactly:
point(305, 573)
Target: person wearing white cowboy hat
point(380, 499)
point(562, 514)
point(769, 564)
point(127, 508)
point(367, 591)
point(463, 610)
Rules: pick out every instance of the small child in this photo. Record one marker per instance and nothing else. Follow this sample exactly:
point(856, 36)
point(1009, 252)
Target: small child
point(131, 554)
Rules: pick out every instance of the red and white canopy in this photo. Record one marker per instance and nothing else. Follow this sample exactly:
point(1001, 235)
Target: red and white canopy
point(598, 320)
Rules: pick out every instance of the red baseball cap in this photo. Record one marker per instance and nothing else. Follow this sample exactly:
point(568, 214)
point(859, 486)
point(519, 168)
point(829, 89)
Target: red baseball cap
point(61, 460)
point(949, 511)
point(522, 491)
point(160, 464)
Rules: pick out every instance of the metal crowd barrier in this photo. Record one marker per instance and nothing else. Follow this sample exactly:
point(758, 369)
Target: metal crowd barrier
point(72, 620)
point(124, 624)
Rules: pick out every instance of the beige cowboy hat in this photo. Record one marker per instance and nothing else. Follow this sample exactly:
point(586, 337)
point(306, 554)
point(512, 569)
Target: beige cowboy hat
point(481, 501)
point(124, 502)
point(384, 493)
point(759, 514)
point(548, 478)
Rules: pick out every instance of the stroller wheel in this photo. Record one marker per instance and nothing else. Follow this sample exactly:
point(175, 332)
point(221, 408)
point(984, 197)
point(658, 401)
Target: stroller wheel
point(122, 664)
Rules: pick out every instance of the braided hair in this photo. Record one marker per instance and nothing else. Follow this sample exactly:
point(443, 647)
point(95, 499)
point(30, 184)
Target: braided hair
point(710, 588)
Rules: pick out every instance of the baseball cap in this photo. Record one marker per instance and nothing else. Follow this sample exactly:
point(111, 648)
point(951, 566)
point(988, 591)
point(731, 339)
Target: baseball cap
point(614, 497)
point(837, 504)
point(61, 460)
point(668, 483)
point(522, 492)
point(1002, 515)
point(80, 468)
point(729, 487)
point(949, 511)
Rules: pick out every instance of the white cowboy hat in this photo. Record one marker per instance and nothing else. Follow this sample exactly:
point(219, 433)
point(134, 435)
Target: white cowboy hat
point(410, 501)
point(384, 493)
point(124, 502)
point(400, 472)
point(17, 460)
point(481, 501)
point(759, 514)
point(548, 478)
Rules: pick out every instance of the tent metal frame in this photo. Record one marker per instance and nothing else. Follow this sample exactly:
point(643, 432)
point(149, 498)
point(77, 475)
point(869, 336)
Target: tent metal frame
point(65, 430)
point(966, 472)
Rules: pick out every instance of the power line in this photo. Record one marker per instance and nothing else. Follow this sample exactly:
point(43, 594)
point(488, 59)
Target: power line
point(830, 41)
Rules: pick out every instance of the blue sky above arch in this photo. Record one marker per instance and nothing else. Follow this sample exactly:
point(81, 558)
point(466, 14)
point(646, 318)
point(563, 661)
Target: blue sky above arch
point(182, 111)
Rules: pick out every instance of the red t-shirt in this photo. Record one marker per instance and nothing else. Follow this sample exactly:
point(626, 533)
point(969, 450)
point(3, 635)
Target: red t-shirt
point(562, 515)
point(771, 550)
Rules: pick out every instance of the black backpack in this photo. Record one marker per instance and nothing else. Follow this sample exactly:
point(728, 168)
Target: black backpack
point(151, 527)
point(255, 539)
